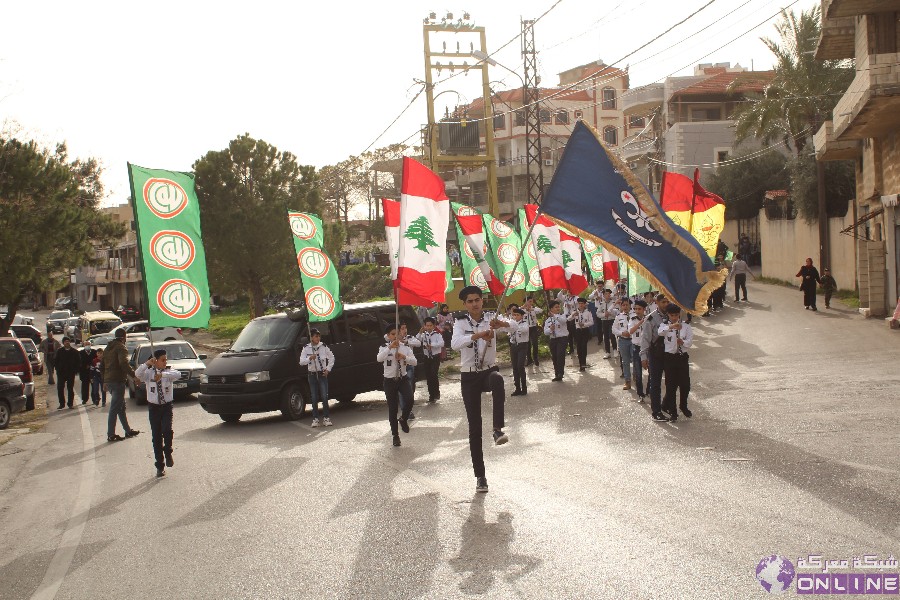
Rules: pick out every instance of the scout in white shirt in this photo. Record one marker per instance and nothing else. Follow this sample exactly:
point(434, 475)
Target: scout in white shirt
point(432, 343)
point(395, 357)
point(319, 362)
point(637, 336)
point(582, 320)
point(622, 328)
point(555, 327)
point(678, 338)
point(518, 350)
point(534, 329)
point(569, 305)
point(474, 336)
point(410, 342)
point(607, 309)
point(159, 380)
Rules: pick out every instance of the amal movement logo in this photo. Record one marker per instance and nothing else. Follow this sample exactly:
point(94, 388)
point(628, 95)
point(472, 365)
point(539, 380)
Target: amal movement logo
point(172, 250)
point(507, 254)
point(302, 226)
point(534, 277)
point(164, 197)
point(178, 299)
point(597, 263)
point(313, 262)
point(500, 229)
point(589, 245)
point(319, 302)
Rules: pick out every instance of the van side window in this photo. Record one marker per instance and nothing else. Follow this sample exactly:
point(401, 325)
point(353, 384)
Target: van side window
point(364, 326)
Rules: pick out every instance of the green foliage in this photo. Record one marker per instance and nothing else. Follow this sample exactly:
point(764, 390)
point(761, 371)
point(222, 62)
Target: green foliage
point(840, 187)
point(365, 282)
point(228, 323)
point(744, 183)
point(245, 192)
point(50, 219)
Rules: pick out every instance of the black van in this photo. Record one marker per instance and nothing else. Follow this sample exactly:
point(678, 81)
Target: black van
point(261, 371)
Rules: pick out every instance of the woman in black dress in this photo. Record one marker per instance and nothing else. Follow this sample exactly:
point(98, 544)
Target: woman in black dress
point(809, 280)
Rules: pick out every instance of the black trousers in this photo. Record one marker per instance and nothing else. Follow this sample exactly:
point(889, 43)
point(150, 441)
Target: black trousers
point(67, 380)
point(581, 342)
point(608, 337)
point(431, 366)
point(473, 384)
point(534, 336)
point(740, 283)
point(678, 378)
point(570, 325)
point(85, 386)
point(518, 353)
point(392, 390)
point(558, 354)
point(654, 380)
point(161, 431)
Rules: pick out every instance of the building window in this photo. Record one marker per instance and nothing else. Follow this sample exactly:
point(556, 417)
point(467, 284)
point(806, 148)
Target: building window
point(499, 122)
point(706, 114)
point(609, 98)
point(562, 117)
point(545, 115)
point(520, 118)
point(579, 115)
point(636, 122)
point(721, 156)
point(610, 136)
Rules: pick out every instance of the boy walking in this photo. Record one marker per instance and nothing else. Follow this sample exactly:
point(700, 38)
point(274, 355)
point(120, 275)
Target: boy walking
point(395, 357)
point(534, 330)
point(556, 330)
point(637, 336)
point(606, 312)
point(432, 345)
point(678, 337)
point(159, 379)
point(582, 319)
point(622, 328)
point(829, 285)
point(518, 350)
point(319, 362)
point(653, 354)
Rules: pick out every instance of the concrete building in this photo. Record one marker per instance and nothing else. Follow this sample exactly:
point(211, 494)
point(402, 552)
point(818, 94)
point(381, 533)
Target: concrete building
point(865, 127)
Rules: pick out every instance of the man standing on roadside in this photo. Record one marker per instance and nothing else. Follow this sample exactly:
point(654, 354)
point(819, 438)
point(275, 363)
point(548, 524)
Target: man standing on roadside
point(87, 355)
point(49, 346)
point(739, 272)
point(67, 364)
point(116, 371)
point(159, 379)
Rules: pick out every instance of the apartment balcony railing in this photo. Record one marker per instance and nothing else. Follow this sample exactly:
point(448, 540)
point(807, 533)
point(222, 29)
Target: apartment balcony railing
point(871, 105)
point(828, 148)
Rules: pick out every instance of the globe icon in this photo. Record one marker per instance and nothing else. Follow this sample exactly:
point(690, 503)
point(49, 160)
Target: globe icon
point(775, 574)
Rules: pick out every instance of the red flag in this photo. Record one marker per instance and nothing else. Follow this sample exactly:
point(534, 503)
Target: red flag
point(576, 282)
point(610, 268)
point(472, 229)
point(548, 249)
point(676, 196)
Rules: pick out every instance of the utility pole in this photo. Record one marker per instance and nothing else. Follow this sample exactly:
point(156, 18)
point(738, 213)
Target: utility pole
point(824, 250)
point(534, 168)
point(436, 159)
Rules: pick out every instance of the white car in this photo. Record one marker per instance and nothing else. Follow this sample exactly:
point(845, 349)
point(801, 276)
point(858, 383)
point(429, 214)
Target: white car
point(158, 334)
point(180, 355)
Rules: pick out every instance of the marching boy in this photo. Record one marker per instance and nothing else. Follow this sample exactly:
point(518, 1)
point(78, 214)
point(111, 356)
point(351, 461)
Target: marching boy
point(534, 330)
point(159, 379)
point(396, 357)
point(583, 320)
point(473, 336)
point(556, 330)
point(432, 344)
point(518, 349)
point(678, 337)
point(319, 362)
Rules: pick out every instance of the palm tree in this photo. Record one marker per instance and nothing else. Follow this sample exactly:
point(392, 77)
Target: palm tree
point(804, 90)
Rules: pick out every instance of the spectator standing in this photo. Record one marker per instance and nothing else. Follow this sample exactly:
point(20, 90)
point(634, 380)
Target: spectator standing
point(739, 272)
point(49, 346)
point(97, 379)
point(809, 278)
point(86, 354)
point(68, 363)
point(116, 371)
point(319, 362)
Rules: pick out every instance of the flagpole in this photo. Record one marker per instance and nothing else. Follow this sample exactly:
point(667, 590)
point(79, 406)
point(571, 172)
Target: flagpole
point(140, 255)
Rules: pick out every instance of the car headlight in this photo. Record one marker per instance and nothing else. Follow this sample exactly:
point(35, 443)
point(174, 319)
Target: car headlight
point(204, 378)
point(258, 376)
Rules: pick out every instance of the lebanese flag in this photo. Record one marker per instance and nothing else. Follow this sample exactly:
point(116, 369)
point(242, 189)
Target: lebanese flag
point(391, 211)
point(676, 197)
point(424, 218)
point(570, 246)
point(547, 247)
point(472, 228)
point(610, 267)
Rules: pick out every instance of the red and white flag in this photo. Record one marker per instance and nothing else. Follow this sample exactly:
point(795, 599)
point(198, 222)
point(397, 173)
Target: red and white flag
point(570, 246)
point(391, 211)
point(424, 218)
point(472, 228)
point(610, 268)
point(547, 247)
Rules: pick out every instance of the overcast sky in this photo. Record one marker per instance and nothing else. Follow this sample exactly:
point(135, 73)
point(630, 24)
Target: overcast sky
point(160, 84)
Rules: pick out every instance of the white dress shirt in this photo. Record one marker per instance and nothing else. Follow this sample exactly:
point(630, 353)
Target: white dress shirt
point(518, 331)
point(555, 326)
point(582, 318)
point(531, 315)
point(478, 355)
point(671, 336)
point(431, 343)
point(317, 358)
point(148, 376)
point(396, 360)
point(607, 310)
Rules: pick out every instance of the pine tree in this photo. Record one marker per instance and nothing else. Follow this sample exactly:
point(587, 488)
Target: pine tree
point(567, 258)
point(420, 231)
point(544, 244)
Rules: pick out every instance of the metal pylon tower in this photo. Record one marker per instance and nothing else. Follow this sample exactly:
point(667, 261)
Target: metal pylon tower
point(533, 167)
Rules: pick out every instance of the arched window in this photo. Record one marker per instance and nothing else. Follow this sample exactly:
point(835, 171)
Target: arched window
point(609, 98)
point(610, 136)
point(562, 117)
point(546, 115)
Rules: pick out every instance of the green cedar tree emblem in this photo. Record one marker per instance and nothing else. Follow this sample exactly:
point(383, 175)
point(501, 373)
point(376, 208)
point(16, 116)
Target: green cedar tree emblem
point(420, 231)
point(567, 258)
point(544, 244)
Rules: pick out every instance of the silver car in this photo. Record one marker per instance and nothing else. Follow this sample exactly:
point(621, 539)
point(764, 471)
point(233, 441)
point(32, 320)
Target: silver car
point(181, 356)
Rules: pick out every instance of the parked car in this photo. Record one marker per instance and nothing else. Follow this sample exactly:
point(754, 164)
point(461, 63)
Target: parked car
point(71, 328)
point(96, 322)
point(180, 355)
point(34, 356)
point(21, 319)
point(133, 340)
point(128, 313)
point(27, 331)
point(100, 341)
point(260, 372)
point(158, 334)
point(67, 302)
point(14, 360)
point(56, 322)
point(12, 398)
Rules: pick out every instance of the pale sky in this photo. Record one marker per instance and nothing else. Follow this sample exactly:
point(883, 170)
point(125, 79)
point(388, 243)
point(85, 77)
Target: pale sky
point(160, 84)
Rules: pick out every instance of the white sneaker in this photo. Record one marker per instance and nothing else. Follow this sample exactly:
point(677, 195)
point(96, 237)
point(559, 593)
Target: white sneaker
point(315, 423)
point(327, 422)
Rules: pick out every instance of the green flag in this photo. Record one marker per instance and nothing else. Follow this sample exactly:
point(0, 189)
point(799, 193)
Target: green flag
point(449, 277)
point(472, 273)
point(173, 263)
point(594, 255)
point(529, 258)
point(636, 283)
point(504, 244)
point(321, 287)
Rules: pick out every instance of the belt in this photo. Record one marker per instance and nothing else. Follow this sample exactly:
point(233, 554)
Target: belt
point(474, 370)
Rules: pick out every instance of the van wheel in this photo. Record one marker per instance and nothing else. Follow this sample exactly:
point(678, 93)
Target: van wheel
point(346, 398)
point(4, 414)
point(293, 402)
point(231, 418)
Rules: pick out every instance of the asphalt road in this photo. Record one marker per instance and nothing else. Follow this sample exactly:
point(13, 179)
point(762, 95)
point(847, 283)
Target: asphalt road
point(792, 450)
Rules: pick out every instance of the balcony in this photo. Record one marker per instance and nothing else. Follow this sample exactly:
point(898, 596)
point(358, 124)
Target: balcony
point(828, 148)
point(850, 8)
point(637, 145)
point(838, 37)
point(640, 101)
point(129, 275)
point(871, 105)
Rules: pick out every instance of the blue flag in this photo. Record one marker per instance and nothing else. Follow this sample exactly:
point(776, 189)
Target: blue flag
point(594, 194)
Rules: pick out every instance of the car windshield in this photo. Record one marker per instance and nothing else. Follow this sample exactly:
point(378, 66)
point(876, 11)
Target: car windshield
point(30, 348)
point(59, 314)
point(104, 326)
point(266, 334)
point(173, 352)
point(100, 340)
point(10, 353)
point(132, 343)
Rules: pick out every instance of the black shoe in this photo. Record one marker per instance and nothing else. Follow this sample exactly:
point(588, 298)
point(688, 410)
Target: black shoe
point(115, 438)
point(673, 418)
point(814, 308)
point(411, 416)
point(537, 364)
point(432, 400)
point(131, 433)
point(169, 461)
point(60, 407)
point(404, 425)
point(481, 485)
point(83, 402)
point(160, 472)
point(556, 379)
point(524, 393)
point(396, 440)
point(686, 412)
point(516, 393)
point(659, 417)
point(582, 368)
point(500, 438)
point(641, 399)
point(529, 362)
point(806, 307)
